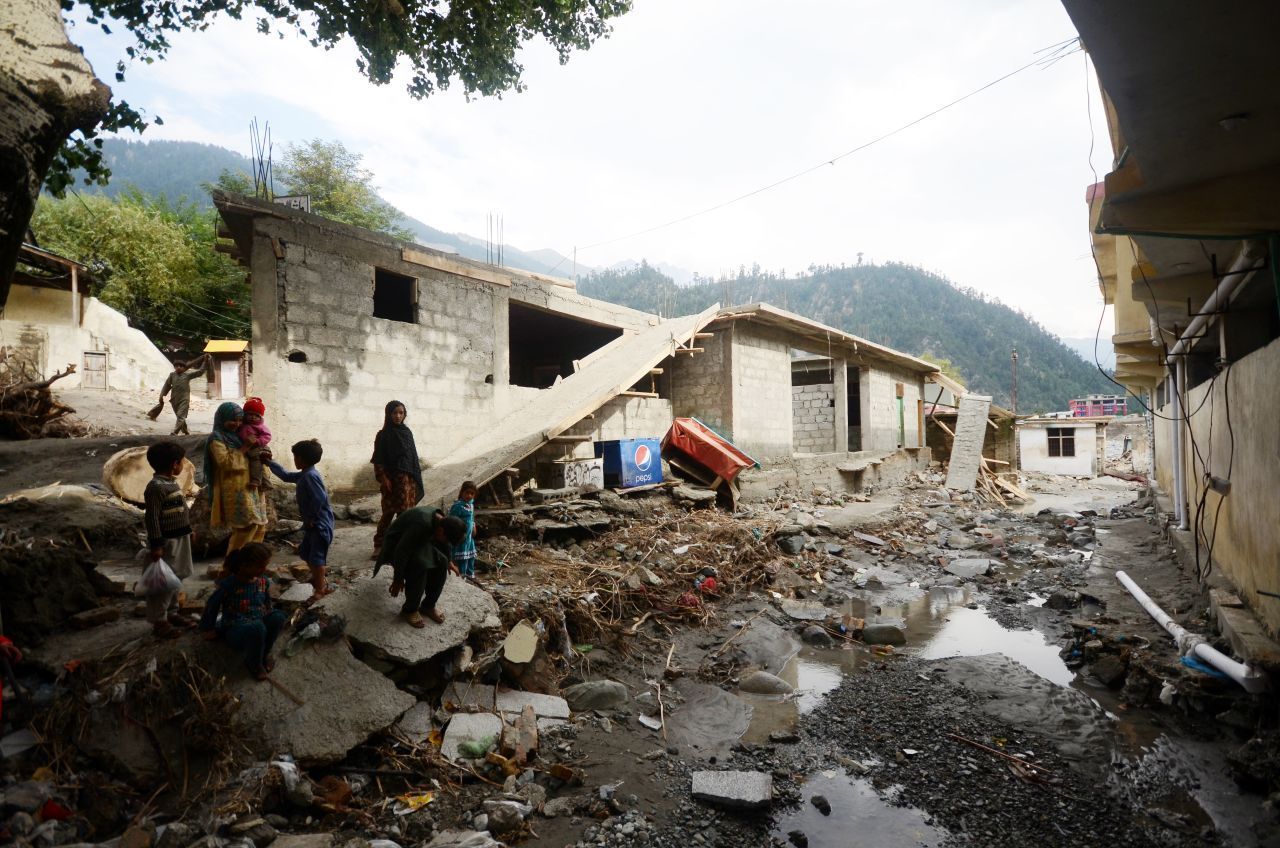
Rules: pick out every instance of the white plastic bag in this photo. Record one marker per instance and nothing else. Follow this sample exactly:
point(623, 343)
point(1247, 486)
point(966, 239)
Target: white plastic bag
point(157, 579)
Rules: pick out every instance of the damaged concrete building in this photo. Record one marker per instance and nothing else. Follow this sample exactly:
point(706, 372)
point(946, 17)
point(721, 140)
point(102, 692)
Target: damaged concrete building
point(500, 368)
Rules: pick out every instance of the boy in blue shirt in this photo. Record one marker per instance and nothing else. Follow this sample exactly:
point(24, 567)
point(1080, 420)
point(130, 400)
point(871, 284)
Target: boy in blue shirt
point(313, 504)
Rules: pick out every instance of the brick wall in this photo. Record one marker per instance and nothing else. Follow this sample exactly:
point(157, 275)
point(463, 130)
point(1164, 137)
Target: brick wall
point(813, 418)
point(878, 395)
point(701, 384)
point(761, 366)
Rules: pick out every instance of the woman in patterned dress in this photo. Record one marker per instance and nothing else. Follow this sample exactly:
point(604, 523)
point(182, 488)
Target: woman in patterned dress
point(232, 503)
point(396, 467)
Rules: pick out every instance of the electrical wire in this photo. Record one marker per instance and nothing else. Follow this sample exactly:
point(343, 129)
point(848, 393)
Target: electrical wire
point(1058, 52)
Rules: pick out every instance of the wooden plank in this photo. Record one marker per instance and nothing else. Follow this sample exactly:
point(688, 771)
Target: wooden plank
point(638, 394)
point(568, 439)
point(229, 249)
point(277, 248)
point(1010, 488)
point(688, 350)
point(704, 335)
point(452, 266)
point(989, 461)
point(655, 371)
point(945, 428)
point(696, 474)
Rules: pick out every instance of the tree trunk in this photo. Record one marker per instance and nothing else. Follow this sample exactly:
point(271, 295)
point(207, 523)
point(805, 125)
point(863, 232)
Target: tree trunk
point(47, 92)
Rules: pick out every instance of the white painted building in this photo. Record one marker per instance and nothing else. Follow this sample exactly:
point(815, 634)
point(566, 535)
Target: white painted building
point(51, 321)
point(1074, 447)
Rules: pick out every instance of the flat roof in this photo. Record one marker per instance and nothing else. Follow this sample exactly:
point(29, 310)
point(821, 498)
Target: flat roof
point(226, 346)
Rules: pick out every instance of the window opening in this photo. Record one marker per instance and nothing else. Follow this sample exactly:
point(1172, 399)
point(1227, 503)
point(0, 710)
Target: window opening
point(543, 346)
point(395, 296)
point(1062, 441)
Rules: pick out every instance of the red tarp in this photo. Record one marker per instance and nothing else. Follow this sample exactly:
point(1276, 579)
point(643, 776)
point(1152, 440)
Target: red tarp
point(698, 441)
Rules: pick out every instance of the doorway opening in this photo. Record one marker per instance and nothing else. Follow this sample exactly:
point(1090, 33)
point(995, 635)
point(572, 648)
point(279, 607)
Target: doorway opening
point(854, 411)
point(544, 345)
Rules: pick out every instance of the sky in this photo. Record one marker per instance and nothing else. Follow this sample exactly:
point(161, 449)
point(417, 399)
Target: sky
point(691, 103)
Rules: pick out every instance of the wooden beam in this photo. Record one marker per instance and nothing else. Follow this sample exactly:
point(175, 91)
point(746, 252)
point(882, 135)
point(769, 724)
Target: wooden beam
point(704, 335)
point(229, 249)
point(689, 350)
point(655, 371)
point(453, 266)
point(638, 394)
point(277, 248)
point(568, 439)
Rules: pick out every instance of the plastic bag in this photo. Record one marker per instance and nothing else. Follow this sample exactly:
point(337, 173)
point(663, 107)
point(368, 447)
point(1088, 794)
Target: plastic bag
point(157, 579)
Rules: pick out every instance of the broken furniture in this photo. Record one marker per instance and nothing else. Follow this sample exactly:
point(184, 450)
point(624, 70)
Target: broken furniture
point(703, 454)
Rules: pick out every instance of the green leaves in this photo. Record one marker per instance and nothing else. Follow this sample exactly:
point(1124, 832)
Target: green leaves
point(340, 186)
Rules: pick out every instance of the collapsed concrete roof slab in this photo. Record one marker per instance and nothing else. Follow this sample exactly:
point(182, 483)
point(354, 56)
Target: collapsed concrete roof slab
point(602, 376)
point(373, 618)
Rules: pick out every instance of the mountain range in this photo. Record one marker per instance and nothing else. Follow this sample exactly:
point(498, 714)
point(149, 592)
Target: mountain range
point(895, 304)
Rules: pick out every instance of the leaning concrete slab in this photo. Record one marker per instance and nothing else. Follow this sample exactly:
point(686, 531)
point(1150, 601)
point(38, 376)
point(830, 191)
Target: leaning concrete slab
point(345, 702)
point(612, 369)
point(966, 448)
point(373, 618)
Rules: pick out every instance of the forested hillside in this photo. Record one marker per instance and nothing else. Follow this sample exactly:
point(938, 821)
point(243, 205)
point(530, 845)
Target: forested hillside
point(893, 304)
point(178, 169)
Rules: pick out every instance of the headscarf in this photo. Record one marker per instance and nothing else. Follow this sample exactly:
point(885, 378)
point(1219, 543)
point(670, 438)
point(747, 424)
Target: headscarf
point(226, 412)
point(395, 450)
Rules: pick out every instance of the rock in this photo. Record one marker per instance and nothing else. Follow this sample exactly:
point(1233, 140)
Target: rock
point(1063, 599)
point(94, 617)
point(967, 569)
point(692, 495)
point(791, 545)
point(804, 610)
point(180, 834)
point(798, 839)
point(563, 806)
point(834, 549)
point(521, 643)
point(596, 695)
point(463, 839)
point(416, 724)
point(256, 830)
point(816, 636)
point(1109, 669)
point(344, 701)
point(285, 527)
point(297, 593)
point(469, 727)
point(126, 474)
point(961, 542)
point(301, 795)
point(736, 790)
point(373, 621)
point(784, 737)
point(365, 509)
point(884, 634)
point(821, 803)
point(764, 683)
point(504, 816)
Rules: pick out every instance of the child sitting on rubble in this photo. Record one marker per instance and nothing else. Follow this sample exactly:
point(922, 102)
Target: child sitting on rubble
point(464, 509)
point(254, 431)
point(168, 525)
point(240, 609)
point(313, 505)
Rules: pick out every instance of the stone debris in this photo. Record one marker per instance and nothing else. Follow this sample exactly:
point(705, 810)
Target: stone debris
point(596, 695)
point(764, 683)
point(736, 790)
point(884, 634)
point(469, 727)
point(463, 839)
point(521, 643)
point(373, 618)
point(967, 569)
point(805, 610)
point(344, 702)
point(302, 840)
point(416, 724)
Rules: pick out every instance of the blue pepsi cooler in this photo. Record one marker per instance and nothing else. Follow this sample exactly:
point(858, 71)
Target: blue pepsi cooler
point(631, 462)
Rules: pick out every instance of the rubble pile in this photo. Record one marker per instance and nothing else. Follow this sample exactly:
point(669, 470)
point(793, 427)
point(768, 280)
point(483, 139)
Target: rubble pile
point(28, 409)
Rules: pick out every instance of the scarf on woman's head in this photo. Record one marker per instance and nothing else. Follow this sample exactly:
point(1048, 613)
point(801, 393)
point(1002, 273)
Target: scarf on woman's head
point(395, 450)
point(226, 412)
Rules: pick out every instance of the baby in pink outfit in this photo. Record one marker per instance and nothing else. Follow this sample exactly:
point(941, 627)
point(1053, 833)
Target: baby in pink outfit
point(254, 431)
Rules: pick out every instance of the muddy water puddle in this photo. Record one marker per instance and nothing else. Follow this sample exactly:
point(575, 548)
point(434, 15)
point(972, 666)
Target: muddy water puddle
point(859, 816)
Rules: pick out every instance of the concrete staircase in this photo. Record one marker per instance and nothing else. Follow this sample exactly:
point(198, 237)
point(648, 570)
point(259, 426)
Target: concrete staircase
point(605, 374)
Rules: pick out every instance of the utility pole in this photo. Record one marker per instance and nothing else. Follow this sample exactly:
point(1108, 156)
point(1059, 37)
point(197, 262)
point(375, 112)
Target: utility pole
point(1014, 357)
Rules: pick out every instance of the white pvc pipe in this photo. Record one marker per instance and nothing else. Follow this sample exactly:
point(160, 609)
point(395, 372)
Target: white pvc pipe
point(1251, 679)
point(1240, 272)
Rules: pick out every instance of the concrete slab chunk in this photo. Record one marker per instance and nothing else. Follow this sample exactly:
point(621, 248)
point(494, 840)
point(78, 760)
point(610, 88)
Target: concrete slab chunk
point(967, 569)
point(805, 610)
point(521, 643)
point(544, 706)
point(415, 725)
point(373, 617)
point(345, 702)
point(469, 727)
point(737, 790)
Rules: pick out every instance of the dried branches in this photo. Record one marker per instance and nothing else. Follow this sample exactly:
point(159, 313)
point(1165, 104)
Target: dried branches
point(28, 410)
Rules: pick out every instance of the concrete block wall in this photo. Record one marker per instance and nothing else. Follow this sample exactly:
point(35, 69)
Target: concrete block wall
point(701, 385)
point(813, 418)
point(620, 418)
point(317, 302)
point(761, 367)
point(879, 400)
